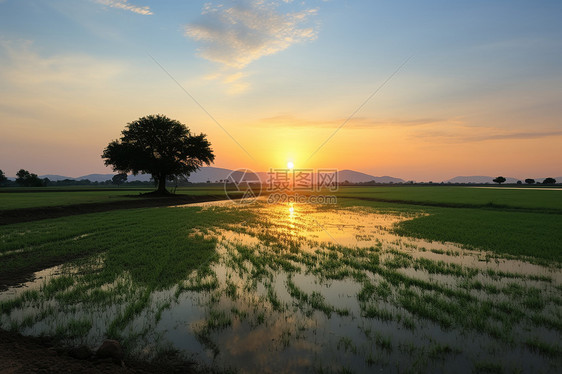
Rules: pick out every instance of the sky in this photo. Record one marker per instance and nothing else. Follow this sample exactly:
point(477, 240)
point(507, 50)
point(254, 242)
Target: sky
point(421, 90)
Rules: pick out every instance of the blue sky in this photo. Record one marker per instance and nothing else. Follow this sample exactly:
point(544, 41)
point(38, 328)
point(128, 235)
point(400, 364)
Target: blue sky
point(483, 85)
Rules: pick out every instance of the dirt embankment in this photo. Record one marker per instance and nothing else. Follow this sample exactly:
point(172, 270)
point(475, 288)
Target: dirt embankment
point(24, 354)
point(35, 214)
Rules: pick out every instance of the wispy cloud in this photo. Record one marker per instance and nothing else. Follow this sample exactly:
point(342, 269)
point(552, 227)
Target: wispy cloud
point(24, 67)
point(438, 130)
point(125, 5)
point(235, 33)
point(523, 135)
point(466, 133)
point(291, 121)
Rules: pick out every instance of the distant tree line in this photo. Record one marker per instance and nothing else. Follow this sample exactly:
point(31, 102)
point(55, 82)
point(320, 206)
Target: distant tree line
point(500, 180)
point(26, 179)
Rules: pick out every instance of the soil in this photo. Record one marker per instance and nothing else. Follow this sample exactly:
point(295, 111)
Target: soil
point(11, 216)
point(25, 354)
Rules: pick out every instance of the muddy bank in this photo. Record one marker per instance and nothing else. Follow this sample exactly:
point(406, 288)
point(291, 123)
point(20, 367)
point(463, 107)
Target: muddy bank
point(26, 354)
point(35, 214)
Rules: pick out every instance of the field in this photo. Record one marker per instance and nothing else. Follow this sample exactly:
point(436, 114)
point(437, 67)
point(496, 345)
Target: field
point(399, 279)
point(18, 198)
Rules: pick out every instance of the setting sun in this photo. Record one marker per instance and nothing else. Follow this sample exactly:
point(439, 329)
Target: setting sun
point(290, 165)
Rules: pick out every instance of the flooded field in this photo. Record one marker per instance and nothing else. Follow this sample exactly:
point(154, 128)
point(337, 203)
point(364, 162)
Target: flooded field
point(300, 288)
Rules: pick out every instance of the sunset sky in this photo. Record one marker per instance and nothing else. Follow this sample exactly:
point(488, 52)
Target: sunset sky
point(472, 87)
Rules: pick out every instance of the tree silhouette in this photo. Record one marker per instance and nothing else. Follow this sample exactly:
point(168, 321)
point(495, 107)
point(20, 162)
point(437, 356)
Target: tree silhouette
point(530, 181)
point(119, 179)
point(549, 181)
point(27, 179)
point(160, 146)
point(3, 178)
point(499, 180)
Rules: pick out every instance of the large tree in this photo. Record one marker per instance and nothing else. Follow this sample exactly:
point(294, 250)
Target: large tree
point(499, 180)
point(160, 146)
point(27, 179)
point(119, 179)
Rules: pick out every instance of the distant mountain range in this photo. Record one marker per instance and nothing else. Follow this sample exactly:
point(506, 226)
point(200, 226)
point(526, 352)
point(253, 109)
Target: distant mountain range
point(213, 174)
point(357, 177)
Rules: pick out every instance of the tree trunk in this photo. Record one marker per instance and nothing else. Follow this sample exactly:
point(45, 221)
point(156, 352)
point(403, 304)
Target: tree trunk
point(162, 184)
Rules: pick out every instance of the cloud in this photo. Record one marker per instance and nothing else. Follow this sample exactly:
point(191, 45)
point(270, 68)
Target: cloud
point(291, 121)
point(523, 135)
point(124, 4)
point(24, 67)
point(236, 33)
point(444, 130)
point(465, 133)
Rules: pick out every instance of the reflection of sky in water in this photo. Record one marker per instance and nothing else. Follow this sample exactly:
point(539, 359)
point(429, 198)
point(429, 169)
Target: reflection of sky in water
point(259, 339)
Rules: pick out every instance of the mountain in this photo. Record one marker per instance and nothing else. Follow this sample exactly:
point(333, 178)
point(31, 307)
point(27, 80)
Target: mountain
point(96, 177)
point(214, 174)
point(105, 177)
point(357, 177)
point(479, 180)
point(209, 173)
point(54, 177)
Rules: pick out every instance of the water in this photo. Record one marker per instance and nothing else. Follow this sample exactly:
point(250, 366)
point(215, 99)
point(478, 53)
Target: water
point(290, 296)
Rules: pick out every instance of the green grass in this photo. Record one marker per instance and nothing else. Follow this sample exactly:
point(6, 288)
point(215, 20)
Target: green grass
point(460, 196)
point(169, 246)
point(15, 198)
point(508, 232)
point(146, 250)
point(19, 200)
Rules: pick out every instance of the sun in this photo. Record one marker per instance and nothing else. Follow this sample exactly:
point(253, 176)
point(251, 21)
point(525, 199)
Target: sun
point(290, 165)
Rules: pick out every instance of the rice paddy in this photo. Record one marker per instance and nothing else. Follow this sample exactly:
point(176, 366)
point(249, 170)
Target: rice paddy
point(286, 288)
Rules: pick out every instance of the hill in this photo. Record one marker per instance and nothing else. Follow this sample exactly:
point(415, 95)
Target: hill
point(478, 179)
point(358, 177)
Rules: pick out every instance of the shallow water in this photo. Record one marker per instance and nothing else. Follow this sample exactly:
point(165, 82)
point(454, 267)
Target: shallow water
point(283, 301)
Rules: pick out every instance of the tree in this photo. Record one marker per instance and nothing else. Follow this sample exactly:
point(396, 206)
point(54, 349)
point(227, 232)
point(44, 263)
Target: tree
point(160, 146)
point(3, 178)
point(119, 179)
point(499, 180)
point(530, 181)
point(27, 179)
point(549, 181)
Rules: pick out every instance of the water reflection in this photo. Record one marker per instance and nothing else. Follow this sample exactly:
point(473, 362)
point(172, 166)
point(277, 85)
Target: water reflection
point(306, 287)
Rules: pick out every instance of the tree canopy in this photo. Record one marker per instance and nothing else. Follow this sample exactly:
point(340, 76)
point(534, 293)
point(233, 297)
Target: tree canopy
point(499, 180)
point(119, 179)
point(530, 181)
point(549, 181)
point(27, 179)
point(160, 146)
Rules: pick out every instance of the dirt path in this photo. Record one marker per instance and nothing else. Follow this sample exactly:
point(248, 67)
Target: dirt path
point(35, 214)
point(24, 354)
